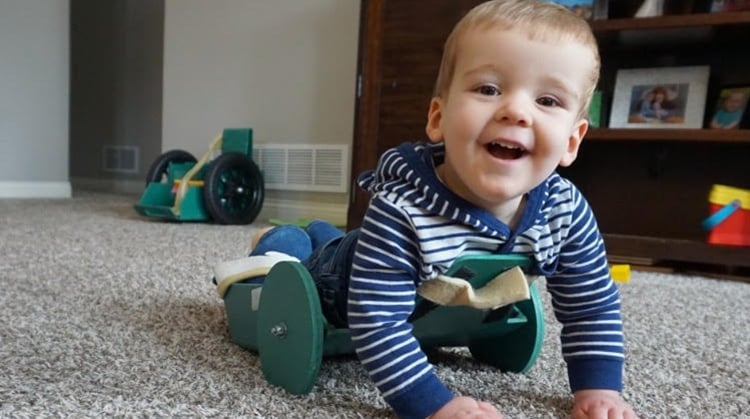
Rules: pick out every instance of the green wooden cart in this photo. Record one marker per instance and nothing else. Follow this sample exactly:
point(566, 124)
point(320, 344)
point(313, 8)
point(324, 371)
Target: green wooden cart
point(281, 319)
point(225, 185)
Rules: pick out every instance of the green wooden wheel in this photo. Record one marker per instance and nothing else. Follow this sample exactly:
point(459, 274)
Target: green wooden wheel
point(157, 172)
point(234, 190)
point(517, 350)
point(290, 328)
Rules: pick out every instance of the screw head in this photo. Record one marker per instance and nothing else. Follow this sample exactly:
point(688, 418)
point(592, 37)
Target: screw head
point(279, 330)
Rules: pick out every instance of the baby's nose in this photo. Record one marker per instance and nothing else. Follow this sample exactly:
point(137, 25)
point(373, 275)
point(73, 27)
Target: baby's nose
point(514, 109)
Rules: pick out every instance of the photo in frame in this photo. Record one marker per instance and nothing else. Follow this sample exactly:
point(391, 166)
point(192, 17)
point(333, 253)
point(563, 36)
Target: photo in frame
point(582, 8)
point(730, 108)
point(662, 97)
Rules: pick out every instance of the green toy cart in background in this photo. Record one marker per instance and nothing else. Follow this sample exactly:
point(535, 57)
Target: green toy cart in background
point(282, 320)
point(225, 185)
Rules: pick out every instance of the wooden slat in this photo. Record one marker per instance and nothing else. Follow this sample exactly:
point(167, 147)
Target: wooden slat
point(673, 21)
point(704, 135)
point(677, 250)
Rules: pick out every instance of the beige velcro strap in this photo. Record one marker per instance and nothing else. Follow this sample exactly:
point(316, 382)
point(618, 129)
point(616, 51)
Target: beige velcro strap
point(229, 272)
point(509, 287)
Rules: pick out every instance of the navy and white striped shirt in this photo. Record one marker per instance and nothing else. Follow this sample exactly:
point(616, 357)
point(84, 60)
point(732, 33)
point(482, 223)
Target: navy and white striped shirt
point(415, 228)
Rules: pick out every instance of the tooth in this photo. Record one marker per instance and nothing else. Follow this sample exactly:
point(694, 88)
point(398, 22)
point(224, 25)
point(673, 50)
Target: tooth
point(508, 146)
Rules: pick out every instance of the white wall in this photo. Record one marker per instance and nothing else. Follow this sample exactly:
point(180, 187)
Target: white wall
point(34, 98)
point(286, 68)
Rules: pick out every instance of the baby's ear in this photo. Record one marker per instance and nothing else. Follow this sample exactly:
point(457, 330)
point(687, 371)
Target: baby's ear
point(434, 120)
point(574, 142)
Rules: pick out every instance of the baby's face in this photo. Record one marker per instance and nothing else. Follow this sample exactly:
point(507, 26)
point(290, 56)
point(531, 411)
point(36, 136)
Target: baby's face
point(734, 102)
point(510, 116)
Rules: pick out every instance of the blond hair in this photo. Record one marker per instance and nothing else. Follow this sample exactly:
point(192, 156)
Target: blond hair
point(542, 21)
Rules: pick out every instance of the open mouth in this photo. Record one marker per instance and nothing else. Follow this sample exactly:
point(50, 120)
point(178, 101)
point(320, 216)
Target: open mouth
point(505, 151)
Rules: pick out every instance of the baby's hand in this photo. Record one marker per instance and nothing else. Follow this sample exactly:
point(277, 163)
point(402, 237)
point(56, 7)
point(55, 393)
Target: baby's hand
point(601, 404)
point(466, 407)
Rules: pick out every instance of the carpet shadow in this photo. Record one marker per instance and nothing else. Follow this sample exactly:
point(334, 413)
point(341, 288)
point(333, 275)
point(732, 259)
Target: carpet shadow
point(195, 333)
point(557, 406)
point(460, 359)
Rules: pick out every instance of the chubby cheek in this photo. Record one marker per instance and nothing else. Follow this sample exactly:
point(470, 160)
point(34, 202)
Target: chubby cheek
point(555, 139)
point(552, 148)
point(463, 123)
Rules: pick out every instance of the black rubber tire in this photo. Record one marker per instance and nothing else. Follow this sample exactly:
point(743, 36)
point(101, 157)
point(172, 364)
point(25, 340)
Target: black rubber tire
point(233, 190)
point(159, 167)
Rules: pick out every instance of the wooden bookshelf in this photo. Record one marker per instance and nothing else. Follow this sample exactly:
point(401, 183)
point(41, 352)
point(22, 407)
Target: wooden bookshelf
point(672, 22)
point(650, 187)
point(660, 135)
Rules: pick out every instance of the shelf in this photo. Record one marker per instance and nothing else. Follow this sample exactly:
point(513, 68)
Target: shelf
point(666, 168)
point(676, 250)
point(673, 21)
point(660, 135)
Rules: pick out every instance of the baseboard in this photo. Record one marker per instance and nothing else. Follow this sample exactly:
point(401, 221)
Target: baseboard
point(130, 187)
point(34, 189)
point(290, 210)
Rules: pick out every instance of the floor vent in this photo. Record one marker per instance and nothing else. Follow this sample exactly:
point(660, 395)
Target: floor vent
point(120, 159)
point(303, 167)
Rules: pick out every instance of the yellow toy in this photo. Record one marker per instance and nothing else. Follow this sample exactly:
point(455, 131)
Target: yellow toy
point(620, 273)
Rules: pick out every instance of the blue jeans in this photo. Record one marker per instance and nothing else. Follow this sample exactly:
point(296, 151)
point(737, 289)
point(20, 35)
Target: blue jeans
point(327, 254)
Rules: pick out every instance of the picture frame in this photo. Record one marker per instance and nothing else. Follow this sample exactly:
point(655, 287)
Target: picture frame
point(730, 108)
point(662, 97)
point(650, 8)
point(729, 5)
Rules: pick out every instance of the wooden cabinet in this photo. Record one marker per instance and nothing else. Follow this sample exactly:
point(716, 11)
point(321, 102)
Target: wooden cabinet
point(648, 187)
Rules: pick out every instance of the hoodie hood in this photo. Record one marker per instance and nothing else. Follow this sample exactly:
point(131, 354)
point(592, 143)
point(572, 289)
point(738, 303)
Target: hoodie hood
point(407, 173)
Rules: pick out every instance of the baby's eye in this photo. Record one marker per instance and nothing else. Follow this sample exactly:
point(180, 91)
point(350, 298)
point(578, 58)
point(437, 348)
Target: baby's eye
point(488, 90)
point(548, 101)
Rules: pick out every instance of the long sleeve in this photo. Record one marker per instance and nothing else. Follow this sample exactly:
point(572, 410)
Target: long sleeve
point(382, 292)
point(587, 303)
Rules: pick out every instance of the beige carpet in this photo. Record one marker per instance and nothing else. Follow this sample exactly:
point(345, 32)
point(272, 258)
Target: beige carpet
point(104, 313)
